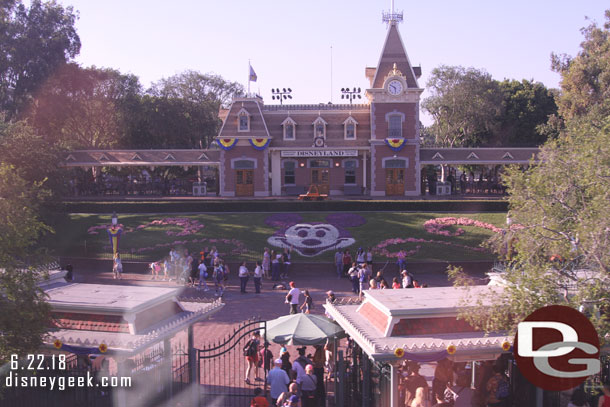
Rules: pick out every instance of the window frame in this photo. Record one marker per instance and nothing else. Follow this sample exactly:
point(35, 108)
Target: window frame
point(294, 170)
point(243, 113)
point(350, 121)
point(287, 122)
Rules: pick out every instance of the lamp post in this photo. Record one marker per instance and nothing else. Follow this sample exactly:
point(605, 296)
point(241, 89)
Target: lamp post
point(350, 94)
point(114, 233)
point(284, 93)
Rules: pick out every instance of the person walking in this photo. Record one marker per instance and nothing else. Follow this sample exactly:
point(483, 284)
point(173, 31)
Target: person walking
point(308, 384)
point(258, 277)
point(347, 262)
point(353, 277)
point(203, 274)
point(293, 298)
point(339, 263)
point(369, 257)
point(219, 278)
point(300, 363)
point(117, 267)
point(275, 268)
point(360, 256)
point(278, 381)
point(308, 303)
point(244, 276)
point(251, 354)
point(319, 361)
point(286, 262)
point(267, 263)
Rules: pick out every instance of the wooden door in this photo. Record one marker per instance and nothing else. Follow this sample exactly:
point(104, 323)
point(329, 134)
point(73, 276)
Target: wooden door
point(320, 177)
point(244, 183)
point(394, 181)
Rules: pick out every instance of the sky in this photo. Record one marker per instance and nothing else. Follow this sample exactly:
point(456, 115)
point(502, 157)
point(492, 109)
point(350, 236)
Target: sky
point(295, 43)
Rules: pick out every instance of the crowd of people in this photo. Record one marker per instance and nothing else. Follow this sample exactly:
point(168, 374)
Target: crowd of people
point(296, 383)
point(452, 386)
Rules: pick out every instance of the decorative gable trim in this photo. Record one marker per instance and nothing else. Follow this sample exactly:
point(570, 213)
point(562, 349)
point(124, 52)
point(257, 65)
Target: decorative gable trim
point(203, 157)
point(288, 120)
point(169, 157)
point(438, 156)
point(103, 157)
point(508, 156)
point(472, 155)
point(70, 157)
point(136, 157)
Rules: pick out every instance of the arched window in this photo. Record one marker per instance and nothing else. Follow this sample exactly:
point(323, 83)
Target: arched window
point(349, 128)
point(289, 129)
point(243, 121)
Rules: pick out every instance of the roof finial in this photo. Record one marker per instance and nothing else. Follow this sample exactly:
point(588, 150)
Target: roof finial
point(391, 17)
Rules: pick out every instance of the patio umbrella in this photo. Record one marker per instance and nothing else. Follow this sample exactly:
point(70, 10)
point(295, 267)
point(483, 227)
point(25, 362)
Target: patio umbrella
point(303, 329)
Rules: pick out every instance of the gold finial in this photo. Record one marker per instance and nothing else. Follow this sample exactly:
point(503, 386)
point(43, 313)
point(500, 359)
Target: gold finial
point(395, 71)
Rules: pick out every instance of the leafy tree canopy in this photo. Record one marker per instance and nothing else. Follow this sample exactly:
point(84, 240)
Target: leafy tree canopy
point(560, 252)
point(470, 108)
point(85, 107)
point(34, 42)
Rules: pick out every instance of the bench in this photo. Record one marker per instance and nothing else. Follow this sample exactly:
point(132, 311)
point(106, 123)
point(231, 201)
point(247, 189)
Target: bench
point(295, 190)
point(352, 190)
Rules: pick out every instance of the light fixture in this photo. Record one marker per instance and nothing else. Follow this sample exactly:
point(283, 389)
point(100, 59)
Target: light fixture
point(302, 165)
point(281, 95)
point(115, 219)
point(350, 94)
point(337, 163)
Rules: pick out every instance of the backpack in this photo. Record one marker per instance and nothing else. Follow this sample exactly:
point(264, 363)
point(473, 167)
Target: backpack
point(502, 390)
point(250, 348)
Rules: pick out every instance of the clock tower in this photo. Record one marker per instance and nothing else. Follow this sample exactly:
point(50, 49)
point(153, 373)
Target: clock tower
point(394, 98)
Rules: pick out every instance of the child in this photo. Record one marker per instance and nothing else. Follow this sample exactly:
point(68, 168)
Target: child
point(307, 304)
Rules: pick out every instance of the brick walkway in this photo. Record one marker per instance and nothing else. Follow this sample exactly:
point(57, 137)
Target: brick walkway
point(317, 278)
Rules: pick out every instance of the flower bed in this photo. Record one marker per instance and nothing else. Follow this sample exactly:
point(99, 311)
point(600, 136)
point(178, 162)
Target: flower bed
point(438, 226)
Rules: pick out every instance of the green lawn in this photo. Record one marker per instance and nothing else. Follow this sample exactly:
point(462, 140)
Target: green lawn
point(244, 235)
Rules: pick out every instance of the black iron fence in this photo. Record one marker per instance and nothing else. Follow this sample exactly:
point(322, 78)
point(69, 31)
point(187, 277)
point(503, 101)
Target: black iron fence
point(222, 368)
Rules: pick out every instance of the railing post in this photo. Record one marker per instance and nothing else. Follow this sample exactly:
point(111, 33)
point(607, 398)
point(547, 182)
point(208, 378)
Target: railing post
point(193, 368)
point(366, 380)
point(340, 380)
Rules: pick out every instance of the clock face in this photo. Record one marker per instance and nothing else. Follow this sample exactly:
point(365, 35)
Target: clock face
point(395, 87)
point(319, 142)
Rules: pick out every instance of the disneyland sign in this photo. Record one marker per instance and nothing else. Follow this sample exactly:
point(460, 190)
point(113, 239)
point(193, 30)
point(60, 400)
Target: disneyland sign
point(320, 153)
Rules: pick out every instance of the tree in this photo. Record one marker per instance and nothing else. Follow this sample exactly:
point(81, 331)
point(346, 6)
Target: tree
point(34, 42)
point(161, 122)
point(585, 79)
point(527, 106)
point(189, 104)
point(24, 316)
point(85, 107)
point(560, 251)
point(196, 87)
point(464, 103)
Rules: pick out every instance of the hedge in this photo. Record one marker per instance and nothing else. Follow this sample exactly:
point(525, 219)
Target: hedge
point(173, 206)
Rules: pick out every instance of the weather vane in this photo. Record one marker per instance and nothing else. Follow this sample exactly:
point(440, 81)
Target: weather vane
point(391, 17)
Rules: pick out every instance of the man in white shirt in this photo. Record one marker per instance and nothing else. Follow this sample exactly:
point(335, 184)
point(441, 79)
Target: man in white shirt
point(293, 298)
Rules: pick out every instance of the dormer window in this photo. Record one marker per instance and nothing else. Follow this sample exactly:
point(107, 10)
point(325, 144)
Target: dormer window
point(319, 128)
point(243, 120)
point(289, 129)
point(349, 128)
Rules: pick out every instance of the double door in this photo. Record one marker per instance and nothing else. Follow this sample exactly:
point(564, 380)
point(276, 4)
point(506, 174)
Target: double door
point(244, 185)
point(320, 177)
point(394, 181)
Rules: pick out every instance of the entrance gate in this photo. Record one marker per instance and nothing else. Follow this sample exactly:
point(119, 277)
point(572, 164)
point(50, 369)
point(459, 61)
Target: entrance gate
point(222, 368)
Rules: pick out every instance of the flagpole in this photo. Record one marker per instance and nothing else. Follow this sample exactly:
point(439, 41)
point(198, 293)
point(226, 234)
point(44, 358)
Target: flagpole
point(249, 68)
